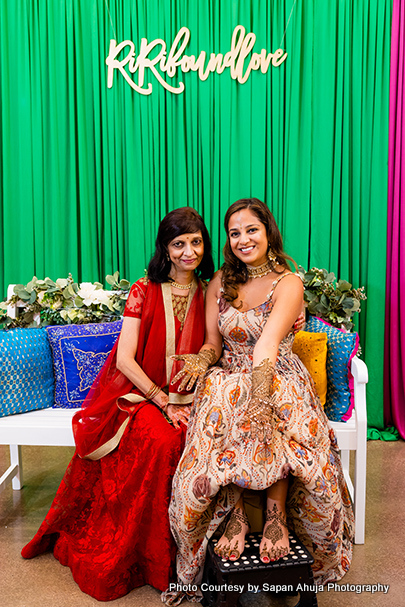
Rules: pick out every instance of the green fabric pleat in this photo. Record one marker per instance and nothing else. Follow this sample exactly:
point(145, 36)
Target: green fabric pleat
point(87, 172)
point(387, 434)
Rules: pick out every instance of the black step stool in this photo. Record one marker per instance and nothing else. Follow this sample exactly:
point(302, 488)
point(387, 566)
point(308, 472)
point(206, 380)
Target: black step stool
point(292, 571)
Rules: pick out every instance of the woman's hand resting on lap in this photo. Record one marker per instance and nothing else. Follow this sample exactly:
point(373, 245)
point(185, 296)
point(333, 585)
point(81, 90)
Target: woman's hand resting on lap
point(178, 414)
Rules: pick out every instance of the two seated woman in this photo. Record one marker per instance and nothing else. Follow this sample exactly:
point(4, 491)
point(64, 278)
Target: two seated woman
point(255, 422)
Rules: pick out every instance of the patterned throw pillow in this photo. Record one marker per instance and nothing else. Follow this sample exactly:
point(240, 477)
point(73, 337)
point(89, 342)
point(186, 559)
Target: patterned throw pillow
point(26, 372)
point(342, 346)
point(312, 348)
point(79, 352)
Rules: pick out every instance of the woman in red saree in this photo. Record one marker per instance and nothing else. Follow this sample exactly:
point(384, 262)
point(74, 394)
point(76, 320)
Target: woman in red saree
point(109, 521)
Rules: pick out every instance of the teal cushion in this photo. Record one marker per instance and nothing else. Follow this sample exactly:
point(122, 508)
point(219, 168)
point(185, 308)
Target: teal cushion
point(342, 346)
point(26, 372)
point(79, 353)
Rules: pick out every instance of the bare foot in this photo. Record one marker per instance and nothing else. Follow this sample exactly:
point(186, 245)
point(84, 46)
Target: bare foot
point(275, 543)
point(232, 543)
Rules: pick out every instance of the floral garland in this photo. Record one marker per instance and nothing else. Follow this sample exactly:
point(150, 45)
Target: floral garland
point(332, 300)
point(61, 302)
point(46, 302)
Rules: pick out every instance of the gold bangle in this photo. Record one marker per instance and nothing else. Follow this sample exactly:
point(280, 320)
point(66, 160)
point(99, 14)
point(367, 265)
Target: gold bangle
point(153, 390)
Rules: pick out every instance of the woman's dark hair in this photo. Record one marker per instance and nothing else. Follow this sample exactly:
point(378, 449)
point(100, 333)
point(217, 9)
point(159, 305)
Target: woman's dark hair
point(180, 221)
point(234, 271)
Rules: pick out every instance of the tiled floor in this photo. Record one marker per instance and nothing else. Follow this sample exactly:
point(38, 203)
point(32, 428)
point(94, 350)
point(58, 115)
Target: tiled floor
point(44, 582)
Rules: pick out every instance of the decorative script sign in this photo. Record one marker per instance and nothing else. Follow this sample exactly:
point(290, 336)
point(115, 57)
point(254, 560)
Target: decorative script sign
point(237, 60)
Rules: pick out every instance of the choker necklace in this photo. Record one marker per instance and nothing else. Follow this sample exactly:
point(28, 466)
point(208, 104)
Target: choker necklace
point(259, 271)
point(179, 286)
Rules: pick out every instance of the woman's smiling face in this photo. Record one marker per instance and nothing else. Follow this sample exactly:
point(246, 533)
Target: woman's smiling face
point(248, 237)
point(185, 252)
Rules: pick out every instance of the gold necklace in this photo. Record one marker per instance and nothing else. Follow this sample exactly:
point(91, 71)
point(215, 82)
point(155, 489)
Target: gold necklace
point(179, 286)
point(259, 271)
point(180, 304)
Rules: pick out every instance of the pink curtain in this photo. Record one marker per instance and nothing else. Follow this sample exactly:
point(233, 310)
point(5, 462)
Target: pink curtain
point(394, 369)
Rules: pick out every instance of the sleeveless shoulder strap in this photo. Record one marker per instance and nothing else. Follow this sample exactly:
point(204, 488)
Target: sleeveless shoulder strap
point(275, 282)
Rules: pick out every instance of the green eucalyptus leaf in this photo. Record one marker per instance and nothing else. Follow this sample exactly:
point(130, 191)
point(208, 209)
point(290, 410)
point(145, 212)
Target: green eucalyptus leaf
point(124, 284)
point(62, 283)
point(351, 304)
point(343, 285)
point(118, 306)
point(24, 294)
point(348, 303)
point(71, 290)
point(78, 302)
point(321, 309)
point(312, 308)
point(28, 316)
point(66, 294)
point(73, 314)
point(33, 297)
point(110, 279)
point(18, 288)
point(310, 296)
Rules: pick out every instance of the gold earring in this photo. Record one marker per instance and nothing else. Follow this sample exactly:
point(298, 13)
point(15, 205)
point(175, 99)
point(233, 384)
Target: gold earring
point(271, 257)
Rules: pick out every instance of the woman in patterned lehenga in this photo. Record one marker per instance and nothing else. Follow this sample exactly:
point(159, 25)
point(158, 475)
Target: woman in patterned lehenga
point(256, 421)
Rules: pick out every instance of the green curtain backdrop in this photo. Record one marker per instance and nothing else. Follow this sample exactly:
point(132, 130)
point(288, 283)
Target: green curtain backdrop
point(87, 172)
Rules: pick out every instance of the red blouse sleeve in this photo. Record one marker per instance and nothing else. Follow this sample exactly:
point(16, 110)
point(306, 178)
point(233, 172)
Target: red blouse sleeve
point(136, 298)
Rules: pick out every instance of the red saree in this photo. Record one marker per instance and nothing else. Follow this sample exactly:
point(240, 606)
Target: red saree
point(108, 521)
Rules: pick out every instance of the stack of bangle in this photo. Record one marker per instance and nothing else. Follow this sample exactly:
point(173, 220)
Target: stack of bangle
point(153, 390)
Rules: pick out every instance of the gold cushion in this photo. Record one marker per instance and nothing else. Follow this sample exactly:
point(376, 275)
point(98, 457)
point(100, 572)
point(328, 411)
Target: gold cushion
point(312, 349)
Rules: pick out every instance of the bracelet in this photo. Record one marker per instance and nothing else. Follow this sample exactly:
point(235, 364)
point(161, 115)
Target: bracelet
point(153, 390)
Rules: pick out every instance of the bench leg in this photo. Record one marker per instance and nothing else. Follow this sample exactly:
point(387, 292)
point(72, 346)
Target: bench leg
point(360, 495)
point(14, 471)
point(345, 459)
point(16, 459)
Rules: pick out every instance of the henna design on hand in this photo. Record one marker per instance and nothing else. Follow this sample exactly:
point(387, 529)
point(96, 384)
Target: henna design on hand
point(260, 413)
point(195, 366)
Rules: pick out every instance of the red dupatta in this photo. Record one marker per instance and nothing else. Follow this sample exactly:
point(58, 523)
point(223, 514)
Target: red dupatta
point(113, 398)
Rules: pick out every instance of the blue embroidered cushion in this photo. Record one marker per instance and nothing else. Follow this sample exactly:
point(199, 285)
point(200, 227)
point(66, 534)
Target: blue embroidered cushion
point(79, 352)
point(26, 372)
point(342, 346)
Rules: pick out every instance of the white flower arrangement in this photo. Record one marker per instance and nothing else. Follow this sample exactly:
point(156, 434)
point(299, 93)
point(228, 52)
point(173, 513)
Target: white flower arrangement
point(47, 302)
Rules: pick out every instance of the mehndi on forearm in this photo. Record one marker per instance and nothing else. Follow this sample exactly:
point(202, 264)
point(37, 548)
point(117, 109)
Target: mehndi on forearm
point(262, 386)
point(262, 380)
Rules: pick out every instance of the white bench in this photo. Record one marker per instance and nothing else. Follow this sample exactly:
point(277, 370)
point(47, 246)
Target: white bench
point(45, 427)
point(352, 436)
point(53, 427)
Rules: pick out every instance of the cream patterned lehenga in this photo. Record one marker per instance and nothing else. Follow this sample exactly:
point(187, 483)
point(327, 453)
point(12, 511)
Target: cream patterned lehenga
point(218, 461)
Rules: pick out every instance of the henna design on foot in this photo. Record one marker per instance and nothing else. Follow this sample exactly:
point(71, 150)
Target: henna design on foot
point(234, 528)
point(274, 530)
